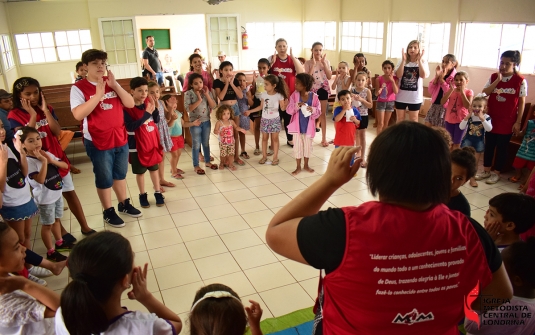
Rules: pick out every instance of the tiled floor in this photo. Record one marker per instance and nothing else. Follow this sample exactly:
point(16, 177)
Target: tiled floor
point(212, 227)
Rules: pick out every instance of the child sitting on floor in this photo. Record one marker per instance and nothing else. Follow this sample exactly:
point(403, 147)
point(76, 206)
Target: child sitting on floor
point(508, 216)
point(217, 309)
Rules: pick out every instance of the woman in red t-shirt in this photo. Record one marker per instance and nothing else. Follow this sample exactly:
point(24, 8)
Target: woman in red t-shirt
point(286, 67)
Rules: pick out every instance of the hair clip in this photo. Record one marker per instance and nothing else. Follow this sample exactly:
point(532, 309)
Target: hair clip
point(214, 294)
point(22, 84)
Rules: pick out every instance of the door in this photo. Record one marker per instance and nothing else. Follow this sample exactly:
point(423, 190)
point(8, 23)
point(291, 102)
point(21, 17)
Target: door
point(224, 36)
point(118, 39)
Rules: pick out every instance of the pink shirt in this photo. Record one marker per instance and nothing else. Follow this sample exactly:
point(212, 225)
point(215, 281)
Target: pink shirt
point(206, 78)
point(387, 94)
point(456, 112)
point(293, 110)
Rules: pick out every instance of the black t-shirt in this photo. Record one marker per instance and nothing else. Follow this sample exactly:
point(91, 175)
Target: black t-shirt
point(230, 95)
point(459, 203)
point(322, 240)
point(152, 56)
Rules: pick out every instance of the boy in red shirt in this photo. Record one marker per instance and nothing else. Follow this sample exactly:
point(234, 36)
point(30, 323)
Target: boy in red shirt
point(146, 152)
point(98, 101)
point(347, 120)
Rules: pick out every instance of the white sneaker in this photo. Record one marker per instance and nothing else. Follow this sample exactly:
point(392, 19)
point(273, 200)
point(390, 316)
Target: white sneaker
point(494, 178)
point(483, 175)
point(40, 272)
point(37, 280)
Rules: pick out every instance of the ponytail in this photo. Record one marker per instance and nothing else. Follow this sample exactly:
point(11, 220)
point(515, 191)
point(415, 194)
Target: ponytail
point(97, 264)
point(280, 85)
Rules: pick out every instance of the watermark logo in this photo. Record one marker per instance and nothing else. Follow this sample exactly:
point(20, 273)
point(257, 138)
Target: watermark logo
point(413, 317)
point(469, 313)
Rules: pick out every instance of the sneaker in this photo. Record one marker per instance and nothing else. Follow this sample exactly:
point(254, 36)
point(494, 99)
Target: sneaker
point(69, 238)
point(143, 201)
point(56, 257)
point(38, 271)
point(37, 280)
point(159, 199)
point(111, 218)
point(128, 209)
point(493, 179)
point(64, 246)
point(483, 175)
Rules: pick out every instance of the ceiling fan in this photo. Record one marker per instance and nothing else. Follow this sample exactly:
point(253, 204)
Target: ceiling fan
point(215, 2)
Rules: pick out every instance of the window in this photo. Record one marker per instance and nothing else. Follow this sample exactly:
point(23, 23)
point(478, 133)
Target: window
point(7, 52)
point(319, 31)
point(48, 46)
point(483, 43)
point(262, 37)
point(434, 38)
point(119, 41)
point(71, 44)
point(363, 36)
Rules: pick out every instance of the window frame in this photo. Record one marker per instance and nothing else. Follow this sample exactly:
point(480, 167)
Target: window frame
point(54, 46)
point(426, 44)
point(7, 53)
point(310, 38)
point(361, 36)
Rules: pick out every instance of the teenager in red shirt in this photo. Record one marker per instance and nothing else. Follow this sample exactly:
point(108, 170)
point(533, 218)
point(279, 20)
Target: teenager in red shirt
point(398, 261)
point(98, 101)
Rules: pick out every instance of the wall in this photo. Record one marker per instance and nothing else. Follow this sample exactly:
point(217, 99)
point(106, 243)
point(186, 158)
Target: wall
point(182, 41)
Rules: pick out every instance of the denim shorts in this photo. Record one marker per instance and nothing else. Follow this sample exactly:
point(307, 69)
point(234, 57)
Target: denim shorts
point(236, 109)
point(19, 213)
point(49, 213)
point(476, 142)
point(108, 165)
point(385, 106)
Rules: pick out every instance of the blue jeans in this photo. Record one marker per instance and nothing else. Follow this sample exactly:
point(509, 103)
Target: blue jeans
point(159, 78)
point(108, 165)
point(200, 135)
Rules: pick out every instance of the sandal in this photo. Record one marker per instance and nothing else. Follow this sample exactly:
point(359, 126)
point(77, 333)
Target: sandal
point(245, 155)
point(239, 162)
point(177, 176)
point(270, 152)
point(513, 179)
point(180, 171)
point(212, 166)
point(199, 171)
point(275, 162)
point(263, 161)
point(257, 152)
point(232, 167)
point(167, 184)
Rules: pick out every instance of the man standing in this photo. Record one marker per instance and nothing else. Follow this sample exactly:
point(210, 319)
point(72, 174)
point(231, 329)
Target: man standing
point(151, 62)
point(221, 56)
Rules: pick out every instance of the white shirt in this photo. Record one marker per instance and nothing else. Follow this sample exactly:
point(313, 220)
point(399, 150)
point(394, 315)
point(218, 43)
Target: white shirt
point(20, 313)
point(130, 323)
point(17, 191)
point(411, 84)
point(271, 105)
point(77, 98)
point(50, 191)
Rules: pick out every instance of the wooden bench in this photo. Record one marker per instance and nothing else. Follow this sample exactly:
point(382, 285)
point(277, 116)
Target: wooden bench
point(516, 141)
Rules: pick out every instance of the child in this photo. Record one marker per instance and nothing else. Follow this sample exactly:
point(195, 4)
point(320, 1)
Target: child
point(412, 71)
point(272, 100)
point(32, 110)
point(347, 119)
point(101, 269)
point(507, 91)
point(228, 91)
point(175, 123)
point(6, 104)
point(217, 309)
point(25, 307)
point(198, 102)
point(476, 123)
point(525, 156)
point(163, 130)
point(319, 67)
point(301, 125)
point(342, 81)
point(439, 85)
point(81, 71)
point(224, 128)
point(143, 140)
point(386, 95)
point(463, 167)
point(508, 216)
point(254, 97)
point(99, 102)
point(243, 104)
point(361, 98)
point(458, 100)
point(519, 261)
point(44, 178)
